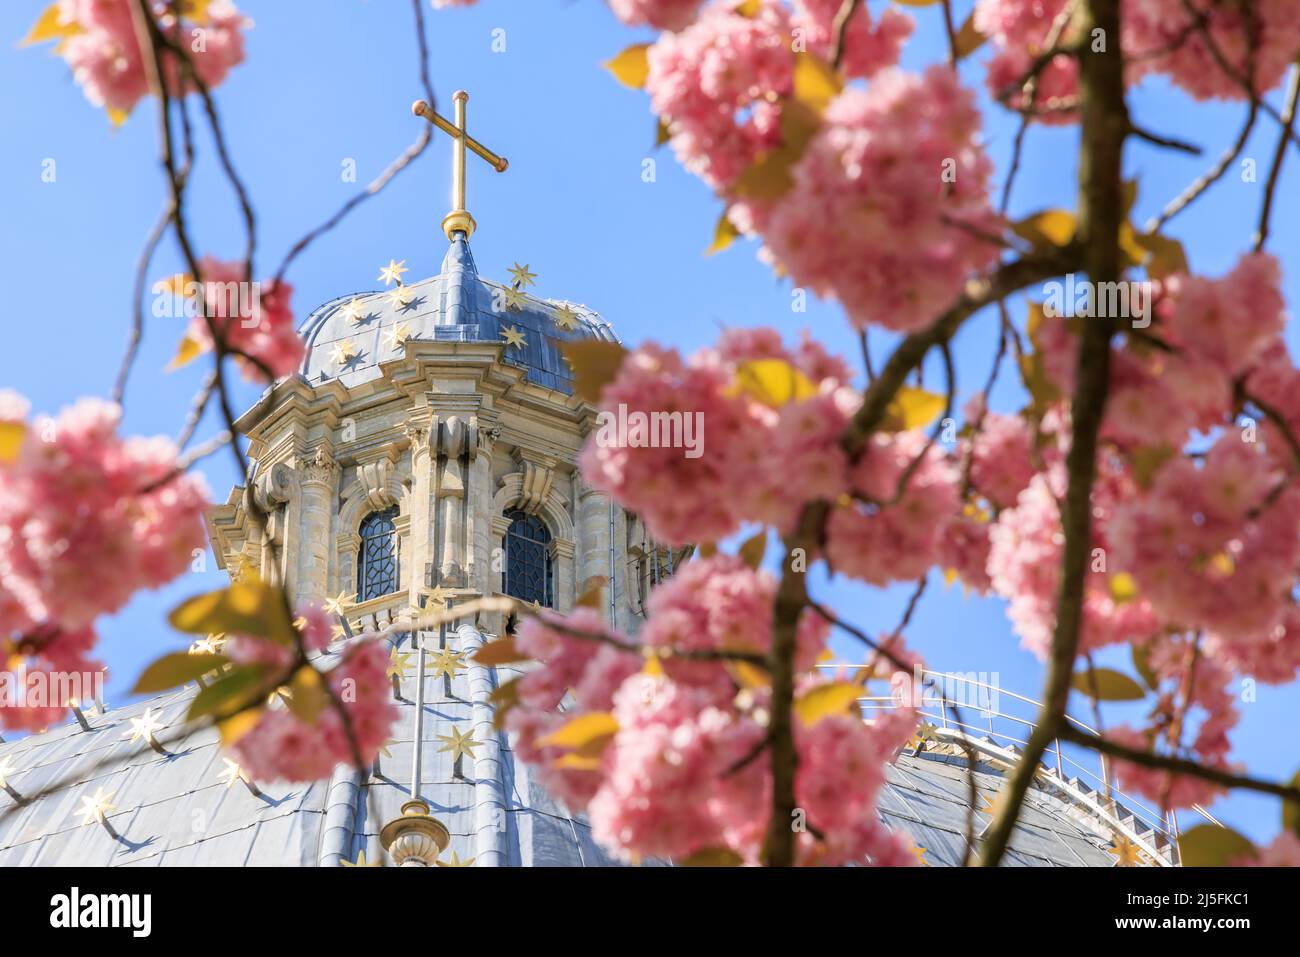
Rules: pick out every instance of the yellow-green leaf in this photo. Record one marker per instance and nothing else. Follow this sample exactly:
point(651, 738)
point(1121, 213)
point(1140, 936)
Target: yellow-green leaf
point(827, 700)
point(1141, 655)
point(662, 133)
point(307, 694)
point(815, 81)
point(631, 67)
point(51, 26)
point(773, 382)
point(1167, 256)
point(235, 727)
point(581, 731)
point(117, 117)
point(752, 551)
point(769, 177)
point(748, 8)
point(969, 39)
point(239, 688)
point(593, 593)
point(11, 440)
point(1110, 685)
point(176, 669)
point(1052, 227)
point(914, 408)
point(594, 363)
point(189, 350)
point(245, 608)
point(724, 234)
point(1123, 588)
point(1208, 845)
point(748, 675)
point(713, 857)
point(503, 651)
point(504, 698)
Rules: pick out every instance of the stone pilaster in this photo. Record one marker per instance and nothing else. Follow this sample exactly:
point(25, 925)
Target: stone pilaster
point(318, 494)
point(423, 463)
point(593, 537)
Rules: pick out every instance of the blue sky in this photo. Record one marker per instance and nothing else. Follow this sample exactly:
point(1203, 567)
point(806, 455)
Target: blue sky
point(331, 81)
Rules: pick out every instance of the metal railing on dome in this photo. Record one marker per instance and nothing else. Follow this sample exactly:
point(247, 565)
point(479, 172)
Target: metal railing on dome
point(970, 707)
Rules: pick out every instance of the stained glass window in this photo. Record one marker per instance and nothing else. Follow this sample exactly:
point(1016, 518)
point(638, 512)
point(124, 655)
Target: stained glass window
point(377, 567)
point(528, 559)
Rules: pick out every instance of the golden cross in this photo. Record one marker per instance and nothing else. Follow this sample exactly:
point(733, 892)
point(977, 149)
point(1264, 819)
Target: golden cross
point(459, 219)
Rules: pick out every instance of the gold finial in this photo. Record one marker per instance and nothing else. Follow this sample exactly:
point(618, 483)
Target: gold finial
point(459, 219)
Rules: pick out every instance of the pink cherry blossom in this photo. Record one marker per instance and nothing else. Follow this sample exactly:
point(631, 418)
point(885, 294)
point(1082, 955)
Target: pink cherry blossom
point(893, 536)
point(715, 84)
point(284, 747)
point(869, 46)
point(88, 518)
point(107, 61)
point(880, 196)
point(256, 321)
point(1159, 36)
point(661, 14)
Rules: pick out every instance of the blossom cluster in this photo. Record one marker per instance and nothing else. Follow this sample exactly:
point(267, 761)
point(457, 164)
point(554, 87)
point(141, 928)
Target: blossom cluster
point(284, 744)
point(108, 62)
point(87, 519)
point(254, 321)
point(1210, 50)
point(685, 772)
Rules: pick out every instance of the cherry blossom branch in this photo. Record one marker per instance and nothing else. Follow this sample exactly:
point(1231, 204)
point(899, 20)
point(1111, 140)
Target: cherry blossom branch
point(1161, 762)
point(1104, 125)
point(840, 28)
point(1275, 171)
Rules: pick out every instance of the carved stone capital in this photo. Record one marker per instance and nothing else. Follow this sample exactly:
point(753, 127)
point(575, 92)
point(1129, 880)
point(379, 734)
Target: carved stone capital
point(318, 467)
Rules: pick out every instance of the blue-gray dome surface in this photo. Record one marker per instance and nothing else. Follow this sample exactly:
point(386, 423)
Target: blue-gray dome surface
point(457, 305)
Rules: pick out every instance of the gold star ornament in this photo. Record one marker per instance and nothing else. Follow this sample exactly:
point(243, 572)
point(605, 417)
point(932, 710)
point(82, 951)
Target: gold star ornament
point(393, 272)
point(354, 312)
point(566, 318)
point(457, 744)
point(6, 769)
point(233, 773)
point(344, 352)
point(447, 662)
point(143, 727)
point(513, 337)
point(1127, 854)
point(398, 335)
point(398, 662)
point(522, 276)
point(456, 861)
point(514, 298)
point(400, 297)
point(360, 862)
point(338, 605)
point(95, 808)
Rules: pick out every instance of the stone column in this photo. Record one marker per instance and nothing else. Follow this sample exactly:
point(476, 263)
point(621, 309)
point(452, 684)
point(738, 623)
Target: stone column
point(478, 564)
point(318, 484)
point(593, 534)
point(422, 514)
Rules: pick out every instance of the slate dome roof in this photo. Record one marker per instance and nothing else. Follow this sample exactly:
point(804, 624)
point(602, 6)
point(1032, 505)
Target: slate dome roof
point(457, 305)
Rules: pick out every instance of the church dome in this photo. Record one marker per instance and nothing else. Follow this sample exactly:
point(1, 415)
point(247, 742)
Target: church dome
point(457, 305)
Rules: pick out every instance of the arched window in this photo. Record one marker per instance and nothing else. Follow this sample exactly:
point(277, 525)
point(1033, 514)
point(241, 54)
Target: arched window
point(528, 559)
point(377, 563)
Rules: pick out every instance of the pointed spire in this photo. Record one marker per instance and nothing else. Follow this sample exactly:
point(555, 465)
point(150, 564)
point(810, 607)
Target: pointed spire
point(459, 275)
